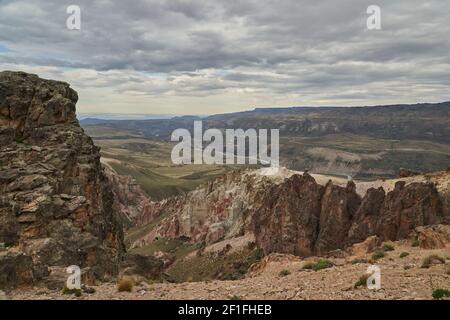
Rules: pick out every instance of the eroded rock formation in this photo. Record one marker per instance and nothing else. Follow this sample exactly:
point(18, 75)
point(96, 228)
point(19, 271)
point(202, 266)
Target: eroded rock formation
point(297, 215)
point(55, 202)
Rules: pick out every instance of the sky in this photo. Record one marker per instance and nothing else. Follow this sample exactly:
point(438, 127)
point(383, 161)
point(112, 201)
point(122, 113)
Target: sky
point(207, 57)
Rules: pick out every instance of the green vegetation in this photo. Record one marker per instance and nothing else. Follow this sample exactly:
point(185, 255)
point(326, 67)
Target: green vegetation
point(234, 297)
point(176, 248)
point(362, 281)
point(76, 292)
point(428, 261)
point(387, 247)
point(212, 265)
point(440, 293)
point(404, 254)
point(415, 242)
point(378, 254)
point(361, 260)
point(319, 265)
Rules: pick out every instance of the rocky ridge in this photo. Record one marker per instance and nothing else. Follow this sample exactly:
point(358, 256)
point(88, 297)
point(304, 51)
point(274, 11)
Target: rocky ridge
point(56, 206)
point(295, 214)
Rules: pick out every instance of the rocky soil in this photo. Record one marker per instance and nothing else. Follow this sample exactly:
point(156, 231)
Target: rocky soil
point(280, 276)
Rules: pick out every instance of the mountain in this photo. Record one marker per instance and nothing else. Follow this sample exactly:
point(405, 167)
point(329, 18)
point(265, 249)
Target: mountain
point(365, 143)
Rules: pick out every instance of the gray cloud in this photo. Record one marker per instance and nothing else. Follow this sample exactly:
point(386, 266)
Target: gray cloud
point(313, 51)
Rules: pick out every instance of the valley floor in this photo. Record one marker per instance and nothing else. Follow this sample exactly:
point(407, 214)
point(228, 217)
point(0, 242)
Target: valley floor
point(401, 278)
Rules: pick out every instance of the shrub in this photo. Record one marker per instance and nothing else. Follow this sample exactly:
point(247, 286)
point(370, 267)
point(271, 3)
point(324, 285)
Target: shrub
point(234, 297)
point(404, 254)
point(415, 242)
point(428, 261)
point(440, 293)
point(448, 271)
point(284, 273)
point(308, 265)
point(378, 254)
point(356, 261)
point(125, 284)
point(76, 292)
point(322, 264)
point(362, 281)
point(319, 265)
point(388, 247)
point(190, 279)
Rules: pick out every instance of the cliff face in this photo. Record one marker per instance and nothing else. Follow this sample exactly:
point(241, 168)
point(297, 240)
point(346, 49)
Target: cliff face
point(295, 214)
point(55, 202)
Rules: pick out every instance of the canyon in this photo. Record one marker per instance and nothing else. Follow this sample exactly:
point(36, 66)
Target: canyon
point(62, 204)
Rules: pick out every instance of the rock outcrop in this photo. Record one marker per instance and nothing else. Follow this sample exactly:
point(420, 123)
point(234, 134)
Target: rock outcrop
point(56, 206)
point(130, 199)
point(295, 215)
point(433, 237)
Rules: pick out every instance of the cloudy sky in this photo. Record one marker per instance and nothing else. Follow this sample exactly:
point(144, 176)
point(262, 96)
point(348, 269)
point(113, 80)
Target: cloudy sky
point(204, 57)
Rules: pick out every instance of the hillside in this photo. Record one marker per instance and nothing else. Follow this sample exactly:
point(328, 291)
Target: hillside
point(362, 142)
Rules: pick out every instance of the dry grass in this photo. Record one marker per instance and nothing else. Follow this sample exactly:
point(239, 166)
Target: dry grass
point(126, 284)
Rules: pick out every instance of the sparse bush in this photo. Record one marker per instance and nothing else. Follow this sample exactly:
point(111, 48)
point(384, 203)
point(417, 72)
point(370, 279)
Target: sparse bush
point(378, 254)
point(125, 284)
point(448, 271)
point(432, 259)
point(415, 242)
point(323, 264)
point(440, 293)
point(387, 247)
point(284, 273)
point(190, 279)
point(319, 265)
point(356, 261)
point(234, 297)
point(404, 254)
point(76, 292)
point(362, 281)
point(308, 265)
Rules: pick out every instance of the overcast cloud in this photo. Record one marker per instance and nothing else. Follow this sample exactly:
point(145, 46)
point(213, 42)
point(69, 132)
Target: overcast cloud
point(203, 57)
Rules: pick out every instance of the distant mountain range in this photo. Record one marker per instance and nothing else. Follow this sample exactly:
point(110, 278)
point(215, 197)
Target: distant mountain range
point(363, 142)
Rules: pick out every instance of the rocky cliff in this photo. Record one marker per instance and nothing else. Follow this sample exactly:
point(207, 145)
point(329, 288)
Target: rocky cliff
point(297, 213)
point(56, 207)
